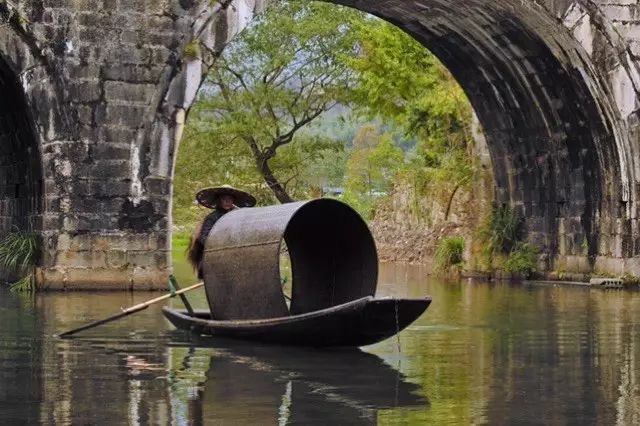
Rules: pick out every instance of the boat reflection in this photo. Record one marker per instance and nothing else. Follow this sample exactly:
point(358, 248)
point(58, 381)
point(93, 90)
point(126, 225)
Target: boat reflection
point(259, 384)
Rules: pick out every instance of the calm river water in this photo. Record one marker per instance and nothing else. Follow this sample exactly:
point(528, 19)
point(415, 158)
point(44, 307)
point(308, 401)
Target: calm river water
point(482, 353)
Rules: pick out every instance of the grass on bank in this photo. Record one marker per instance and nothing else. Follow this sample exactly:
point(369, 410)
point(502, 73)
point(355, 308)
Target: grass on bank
point(181, 267)
point(180, 243)
point(18, 258)
point(449, 252)
point(502, 237)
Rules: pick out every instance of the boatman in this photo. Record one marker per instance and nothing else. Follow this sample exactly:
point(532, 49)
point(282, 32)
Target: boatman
point(222, 199)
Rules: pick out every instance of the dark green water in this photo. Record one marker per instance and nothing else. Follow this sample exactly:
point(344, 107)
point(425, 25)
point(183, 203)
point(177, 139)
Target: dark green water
point(482, 354)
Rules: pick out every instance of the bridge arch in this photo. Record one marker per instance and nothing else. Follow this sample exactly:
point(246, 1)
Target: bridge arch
point(557, 127)
point(555, 134)
point(32, 128)
point(554, 82)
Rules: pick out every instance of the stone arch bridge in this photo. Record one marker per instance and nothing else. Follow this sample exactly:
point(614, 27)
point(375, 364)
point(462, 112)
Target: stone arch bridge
point(94, 94)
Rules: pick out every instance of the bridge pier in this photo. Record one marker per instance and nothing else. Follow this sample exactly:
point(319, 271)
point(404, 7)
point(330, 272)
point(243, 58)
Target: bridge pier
point(95, 95)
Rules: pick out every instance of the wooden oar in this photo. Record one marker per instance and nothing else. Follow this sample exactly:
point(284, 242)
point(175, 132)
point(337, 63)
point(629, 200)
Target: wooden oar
point(128, 311)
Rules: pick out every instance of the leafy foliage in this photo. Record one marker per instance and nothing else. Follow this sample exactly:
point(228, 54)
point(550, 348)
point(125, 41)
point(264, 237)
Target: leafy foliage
point(371, 168)
point(310, 162)
point(26, 283)
point(503, 233)
point(522, 259)
point(18, 254)
point(506, 229)
point(192, 50)
point(449, 252)
point(18, 251)
point(399, 80)
point(315, 95)
point(280, 74)
point(405, 86)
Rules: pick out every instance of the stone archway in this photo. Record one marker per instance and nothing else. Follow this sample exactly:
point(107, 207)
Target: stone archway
point(35, 132)
point(555, 134)
point(553, 82)
point(557, 125)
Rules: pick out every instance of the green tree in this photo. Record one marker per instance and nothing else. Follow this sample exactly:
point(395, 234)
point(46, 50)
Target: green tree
point(280, 74)
point(371, 167)
point(267, 112)
point(204, 160)
point(402, 84)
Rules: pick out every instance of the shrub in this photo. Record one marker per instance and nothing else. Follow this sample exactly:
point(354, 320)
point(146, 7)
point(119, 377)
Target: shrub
point(360, 203)
point(506, 229)
point(522, 259)
point(501, 237)
point(449, 252)
point(26, 283)
point(192, 50)
point(18, 255)
point(630, 280)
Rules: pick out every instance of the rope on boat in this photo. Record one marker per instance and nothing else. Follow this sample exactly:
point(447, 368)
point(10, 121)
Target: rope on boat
point(397, 328)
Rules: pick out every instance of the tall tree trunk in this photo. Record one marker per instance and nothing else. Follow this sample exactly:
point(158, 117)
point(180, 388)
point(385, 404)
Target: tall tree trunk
point(278, 189)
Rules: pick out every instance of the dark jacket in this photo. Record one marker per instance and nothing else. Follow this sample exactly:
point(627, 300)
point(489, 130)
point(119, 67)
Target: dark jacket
point(199, 239)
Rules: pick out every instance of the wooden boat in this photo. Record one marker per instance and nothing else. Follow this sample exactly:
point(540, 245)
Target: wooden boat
point(361, 322)
point(334, 272)
point(334, 269)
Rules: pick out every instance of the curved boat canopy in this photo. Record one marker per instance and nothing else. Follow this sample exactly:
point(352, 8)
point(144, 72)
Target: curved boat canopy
point(333, 259)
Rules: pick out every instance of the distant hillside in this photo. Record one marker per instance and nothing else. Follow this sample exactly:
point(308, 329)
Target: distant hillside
point(341, 124)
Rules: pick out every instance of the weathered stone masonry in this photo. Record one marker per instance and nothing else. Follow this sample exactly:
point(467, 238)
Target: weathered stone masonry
point(93, 96)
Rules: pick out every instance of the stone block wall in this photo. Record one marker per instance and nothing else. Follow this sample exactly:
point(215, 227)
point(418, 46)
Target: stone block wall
point(107, 90)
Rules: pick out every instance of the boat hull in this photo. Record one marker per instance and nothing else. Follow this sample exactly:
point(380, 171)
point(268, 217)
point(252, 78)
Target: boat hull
point(361, 322)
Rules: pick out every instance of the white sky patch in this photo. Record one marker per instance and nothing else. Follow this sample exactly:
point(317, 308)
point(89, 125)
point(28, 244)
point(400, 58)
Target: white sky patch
point(584, 34)
point(165, 146)
point(136, 184)
point(193, 75)
point(623, 91)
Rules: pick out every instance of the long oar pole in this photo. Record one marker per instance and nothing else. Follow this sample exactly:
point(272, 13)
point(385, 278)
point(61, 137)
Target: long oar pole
point(131, 310)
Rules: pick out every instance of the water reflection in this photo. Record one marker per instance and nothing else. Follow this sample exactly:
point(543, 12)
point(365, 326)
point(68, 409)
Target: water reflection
point(215, 382)
point(282, 385)
point(20, 384)
point(483, 354)
point(140, 371)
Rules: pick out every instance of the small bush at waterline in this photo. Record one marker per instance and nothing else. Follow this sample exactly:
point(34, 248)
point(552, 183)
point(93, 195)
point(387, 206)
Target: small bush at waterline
point(503, 247)
point(521, 260)
point(506, 230)
point(18, 255)
point(449, 253)
point(26, 283)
